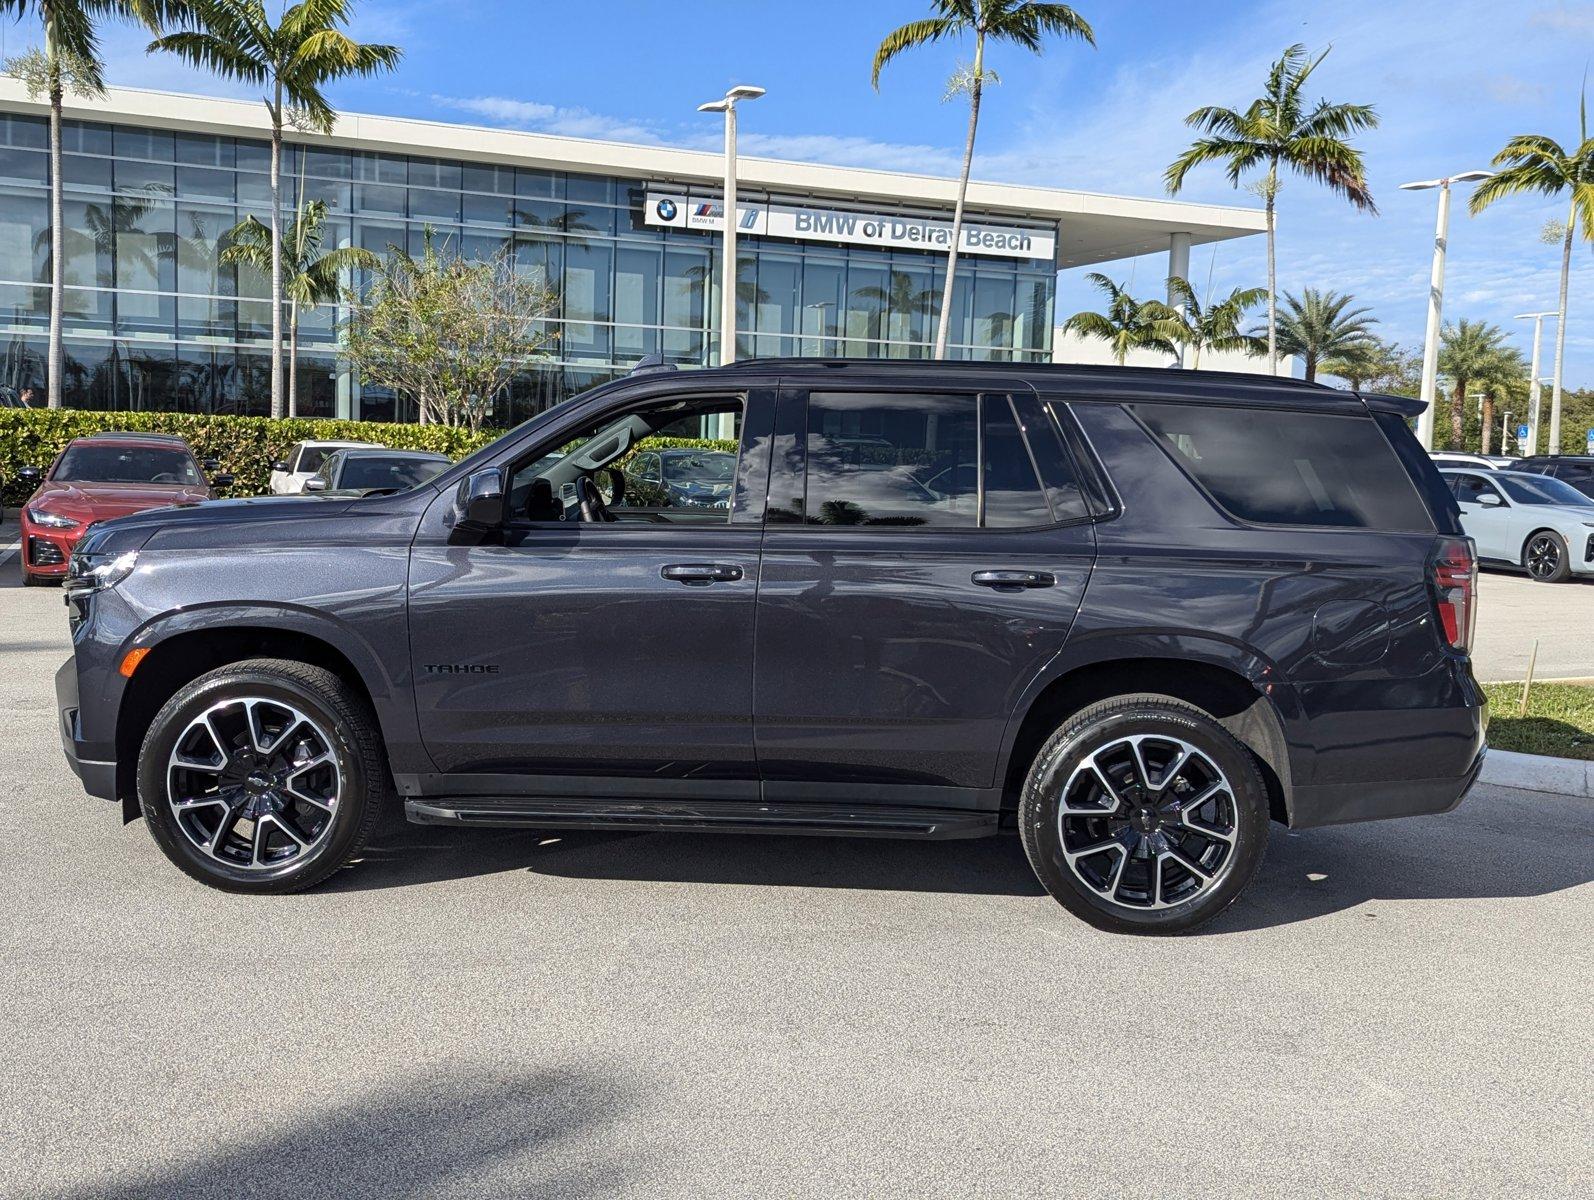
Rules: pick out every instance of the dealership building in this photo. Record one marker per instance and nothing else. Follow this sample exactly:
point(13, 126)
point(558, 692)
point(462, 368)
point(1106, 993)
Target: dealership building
point(831, 260)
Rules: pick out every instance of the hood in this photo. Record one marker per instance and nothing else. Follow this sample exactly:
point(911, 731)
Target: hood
point(88, 502)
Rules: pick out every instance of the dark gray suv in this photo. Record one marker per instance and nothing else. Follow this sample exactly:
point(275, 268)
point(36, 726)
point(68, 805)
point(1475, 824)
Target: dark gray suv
point(1135, 614)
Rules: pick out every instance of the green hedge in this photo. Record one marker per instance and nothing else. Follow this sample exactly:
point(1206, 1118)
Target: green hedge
point(246, 446)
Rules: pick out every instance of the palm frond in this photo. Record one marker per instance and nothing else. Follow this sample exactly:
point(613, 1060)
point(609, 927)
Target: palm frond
point(909, 37)
point(215, 54)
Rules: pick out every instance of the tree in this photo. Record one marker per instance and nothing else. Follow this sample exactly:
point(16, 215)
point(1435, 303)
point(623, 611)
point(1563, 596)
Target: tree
point(1318, 325)
point(1506, 380)
point(1376, 366)
point(294, 61)
point(1276, 131)
point(449, 331)
point(1469, 352)
point(310, 278)
point(69, 62)
point(1021, 22)
point(1535, 163)
point(1129, 324)
point(1216, 326)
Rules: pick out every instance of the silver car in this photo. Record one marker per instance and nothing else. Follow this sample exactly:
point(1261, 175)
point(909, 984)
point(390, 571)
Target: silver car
point(1542, 525)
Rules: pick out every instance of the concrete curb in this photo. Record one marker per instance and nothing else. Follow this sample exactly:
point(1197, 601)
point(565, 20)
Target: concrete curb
point(1538, 773)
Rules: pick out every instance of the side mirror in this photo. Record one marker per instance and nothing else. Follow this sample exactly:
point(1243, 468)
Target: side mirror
point(280, 465)
point(31, 474)
point(478, 507)
point(315, 484)
point(1490, 500)
point(222, 480)
point(210, 465)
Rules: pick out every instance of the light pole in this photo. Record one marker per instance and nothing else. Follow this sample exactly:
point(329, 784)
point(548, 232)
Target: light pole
point(1436, 295)
point(1533, 376)
point(727, 105)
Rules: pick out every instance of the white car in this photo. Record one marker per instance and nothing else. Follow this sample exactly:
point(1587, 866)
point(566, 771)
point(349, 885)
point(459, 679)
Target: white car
point(303, 460)
point(1445, 459)
point(1542, 525)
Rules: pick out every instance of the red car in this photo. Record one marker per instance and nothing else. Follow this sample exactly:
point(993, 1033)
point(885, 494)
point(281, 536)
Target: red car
point(99, 477)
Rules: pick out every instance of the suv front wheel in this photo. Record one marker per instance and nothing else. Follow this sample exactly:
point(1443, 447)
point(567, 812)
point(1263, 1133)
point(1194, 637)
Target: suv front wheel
point(1142, 814)
point(263, 776)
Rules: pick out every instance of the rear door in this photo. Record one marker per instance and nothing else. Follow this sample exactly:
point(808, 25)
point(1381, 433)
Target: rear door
point(922, 563)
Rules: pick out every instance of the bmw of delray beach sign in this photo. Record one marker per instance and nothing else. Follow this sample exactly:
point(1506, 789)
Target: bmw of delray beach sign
point(804, 224)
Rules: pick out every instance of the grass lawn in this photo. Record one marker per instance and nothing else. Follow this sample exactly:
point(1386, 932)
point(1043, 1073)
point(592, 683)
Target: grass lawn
point(1560, 719)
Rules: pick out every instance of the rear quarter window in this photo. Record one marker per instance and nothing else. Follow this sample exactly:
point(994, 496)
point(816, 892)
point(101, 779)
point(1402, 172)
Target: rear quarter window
point(1274, 467)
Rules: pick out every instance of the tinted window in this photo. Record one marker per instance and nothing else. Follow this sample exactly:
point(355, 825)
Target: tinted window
point(1470, 489)
point(361, 473)
point(1542, 491)
point(877, 458)
point(1013, 495)
point(86, 463)
point(1290, 468)
point(311, 458)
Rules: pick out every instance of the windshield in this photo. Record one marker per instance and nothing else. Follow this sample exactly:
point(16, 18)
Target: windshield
point(1542, 491)
point(715, 466)
point(84, 463)
point(360, 474)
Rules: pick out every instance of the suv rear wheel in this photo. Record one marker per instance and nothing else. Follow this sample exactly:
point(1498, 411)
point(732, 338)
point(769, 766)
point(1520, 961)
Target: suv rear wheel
point(262, 776)
point(1142, 814)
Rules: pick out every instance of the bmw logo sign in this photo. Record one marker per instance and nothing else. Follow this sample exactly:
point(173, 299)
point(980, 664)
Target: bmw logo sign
point(666, 210)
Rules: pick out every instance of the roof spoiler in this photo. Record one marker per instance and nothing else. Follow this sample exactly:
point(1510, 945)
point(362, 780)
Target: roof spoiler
point(1402, 406)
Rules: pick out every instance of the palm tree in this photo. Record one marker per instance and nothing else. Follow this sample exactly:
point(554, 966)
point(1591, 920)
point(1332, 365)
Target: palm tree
point(310, 278)
point(1275, 131)
point(70, 61)
point(1021, 22)
point(1534, 163)
point(1215, 326)
point(1318, 325)
point(1507, 375)
point(1129, 324)
point(1469, 352)
point(293, 60)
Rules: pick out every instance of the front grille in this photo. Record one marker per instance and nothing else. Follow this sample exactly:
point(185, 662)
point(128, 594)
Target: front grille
point(44, 554)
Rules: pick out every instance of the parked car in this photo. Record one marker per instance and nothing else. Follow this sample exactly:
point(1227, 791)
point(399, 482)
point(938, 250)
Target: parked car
point(1478, 462)
point(1543, 526)
point(686, 478)
point(1574, 469)
point(99, 477)
point(304, 459)
point(1180, 603)
point(364, 471)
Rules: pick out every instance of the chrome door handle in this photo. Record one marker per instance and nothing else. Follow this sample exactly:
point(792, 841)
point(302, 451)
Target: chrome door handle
point(1012, 580)
point(698, 574)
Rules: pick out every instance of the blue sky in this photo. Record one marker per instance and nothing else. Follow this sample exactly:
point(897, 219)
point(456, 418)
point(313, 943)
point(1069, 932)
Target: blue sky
point(1452, 81)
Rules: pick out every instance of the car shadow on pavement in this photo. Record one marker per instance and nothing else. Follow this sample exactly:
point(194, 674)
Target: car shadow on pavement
point(1502, 845)
point(455, 1131)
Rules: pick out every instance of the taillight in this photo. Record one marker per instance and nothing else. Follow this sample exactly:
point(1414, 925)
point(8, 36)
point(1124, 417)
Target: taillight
point(1455, 583)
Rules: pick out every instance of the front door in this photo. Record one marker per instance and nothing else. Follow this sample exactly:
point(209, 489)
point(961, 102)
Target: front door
point(1485, 515)
point(570, 650)
point(923, 562)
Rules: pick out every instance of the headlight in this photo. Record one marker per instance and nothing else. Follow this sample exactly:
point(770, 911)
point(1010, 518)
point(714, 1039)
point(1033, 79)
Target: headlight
point(51, 520)
point(92, 572)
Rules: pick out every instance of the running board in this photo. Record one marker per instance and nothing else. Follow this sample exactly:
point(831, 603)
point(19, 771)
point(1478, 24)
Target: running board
point(722, 816)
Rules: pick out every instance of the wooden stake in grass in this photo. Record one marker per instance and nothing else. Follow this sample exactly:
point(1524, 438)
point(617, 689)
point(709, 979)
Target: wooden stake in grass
point(1527, 684)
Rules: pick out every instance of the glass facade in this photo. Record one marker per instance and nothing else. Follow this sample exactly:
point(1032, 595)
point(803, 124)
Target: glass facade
point(154, 320)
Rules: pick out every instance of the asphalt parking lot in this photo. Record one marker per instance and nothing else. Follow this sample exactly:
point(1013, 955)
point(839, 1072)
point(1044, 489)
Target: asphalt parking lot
point(1396, 1009)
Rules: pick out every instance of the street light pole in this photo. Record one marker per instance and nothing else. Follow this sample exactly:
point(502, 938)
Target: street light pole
point(1533, 376)
point(727, 105)
point(1436, 296)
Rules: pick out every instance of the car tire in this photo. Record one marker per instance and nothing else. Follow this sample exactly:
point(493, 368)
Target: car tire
point(1546, 558)
point(1178, 838)
point(29, 579)
point(263, 776)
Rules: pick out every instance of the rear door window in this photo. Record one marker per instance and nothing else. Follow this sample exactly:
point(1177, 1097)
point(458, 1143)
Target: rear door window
point(1277, 467)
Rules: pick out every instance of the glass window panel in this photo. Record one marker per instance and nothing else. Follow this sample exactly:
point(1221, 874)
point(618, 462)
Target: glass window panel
point(203, 150)
point(820, 322)
point(88, 234)
point(775, 302)
point(153, 179)
point(540, 214)
point(130, 142)
point(637, 275)
point(588, 189)
point(431, 204)
point(434, 173)
point(86, 174)
point(338, 197)
point(444, 239)
point(93, 377)
point(201, 235)
point(204, 183)
point(380, 168)
point(540, 259)
point(867, 291)
point(488, 177)
point(1013, 496)
point(207, 317)
point(248, 387)
point(687, 293)
point(202, 377)
point(321, 163)
point(254, 318)
point(253, 156)
point(883, 459)
point(539, 183)
point(480, 246)
point(24, 166)
point(588, 271)
point(85, 309)
point(378, 236)
point(255, 191)
point(589, 218)
point(25, 235)
point(487, 210)
point(379, 198)
point(28, 132)
point(24, 304)
point(85, 137)
point(994, 317)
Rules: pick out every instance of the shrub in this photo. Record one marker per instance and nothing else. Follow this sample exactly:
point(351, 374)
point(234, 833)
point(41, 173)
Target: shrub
point(246, 446)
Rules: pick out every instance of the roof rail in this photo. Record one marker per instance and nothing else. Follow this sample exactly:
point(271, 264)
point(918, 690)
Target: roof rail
point(650, 364)
point(135, 433)
point(1161, 374)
